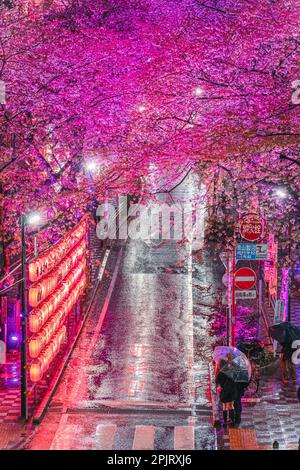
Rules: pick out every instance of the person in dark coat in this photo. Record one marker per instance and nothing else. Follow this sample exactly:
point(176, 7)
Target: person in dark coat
point(228, 395)
point(287, 366)
point(240, 390)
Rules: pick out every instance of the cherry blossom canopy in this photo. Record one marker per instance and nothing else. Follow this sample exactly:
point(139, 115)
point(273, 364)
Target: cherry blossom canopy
point(136, 85)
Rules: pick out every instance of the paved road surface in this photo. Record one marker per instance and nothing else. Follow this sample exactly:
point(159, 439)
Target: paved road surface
point(138, 364)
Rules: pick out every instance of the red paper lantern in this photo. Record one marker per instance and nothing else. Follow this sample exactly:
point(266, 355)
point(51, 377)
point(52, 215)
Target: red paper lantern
point(45, 263)
point(34, 347)
point(42, 363)
point(35, 371)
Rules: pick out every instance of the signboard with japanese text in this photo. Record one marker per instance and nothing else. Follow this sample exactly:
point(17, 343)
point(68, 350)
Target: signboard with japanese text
point(252, 227)
point(245, 294)
point(270, 266)
point(2, 352)
point(249, 251)
point(279, 311)
point(284, 291)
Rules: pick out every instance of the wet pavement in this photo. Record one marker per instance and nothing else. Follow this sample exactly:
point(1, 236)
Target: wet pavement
point(143, 350)
point(273, 412)
point(132, 382)
point(138, 377)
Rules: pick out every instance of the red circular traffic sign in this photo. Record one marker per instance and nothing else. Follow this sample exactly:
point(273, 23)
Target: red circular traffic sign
point(244, 278)
point(252, 227)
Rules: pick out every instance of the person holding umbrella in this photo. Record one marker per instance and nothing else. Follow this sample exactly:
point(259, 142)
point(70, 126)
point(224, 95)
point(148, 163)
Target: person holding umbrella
point(240, 390)
point(233, 374)
point(287, 366)
point(227, 396)
point(286, 334)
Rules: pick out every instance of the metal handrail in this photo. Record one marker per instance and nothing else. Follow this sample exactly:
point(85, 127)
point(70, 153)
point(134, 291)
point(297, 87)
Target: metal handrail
point(9, 287)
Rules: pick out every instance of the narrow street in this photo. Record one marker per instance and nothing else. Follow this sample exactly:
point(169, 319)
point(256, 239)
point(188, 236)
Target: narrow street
point(130, 383)
point(149, 229)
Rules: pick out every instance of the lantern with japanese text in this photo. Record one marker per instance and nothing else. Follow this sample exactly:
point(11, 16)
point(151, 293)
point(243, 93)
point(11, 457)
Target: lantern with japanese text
point(58, 278)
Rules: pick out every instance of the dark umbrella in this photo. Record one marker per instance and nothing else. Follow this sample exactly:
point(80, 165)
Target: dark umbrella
point(250, 348)
point(284, 332)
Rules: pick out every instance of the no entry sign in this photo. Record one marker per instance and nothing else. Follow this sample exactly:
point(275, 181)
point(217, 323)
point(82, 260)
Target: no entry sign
point(244, 278)
point(252, 227)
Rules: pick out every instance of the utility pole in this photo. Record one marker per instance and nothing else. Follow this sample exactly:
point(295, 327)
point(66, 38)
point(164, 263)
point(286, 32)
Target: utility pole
point(233, 268)
point(229, 280)
point(24, 391)
point(2, 250)
point(260, 294)
point(290, 274)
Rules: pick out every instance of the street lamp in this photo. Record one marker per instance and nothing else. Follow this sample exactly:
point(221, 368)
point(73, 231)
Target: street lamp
point(31, 219)
point(198, 91)
point(141, 108)
point(90, 166)
point(281, 192)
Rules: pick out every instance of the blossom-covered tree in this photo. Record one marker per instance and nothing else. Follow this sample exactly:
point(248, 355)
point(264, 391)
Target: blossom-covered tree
point(138, 85)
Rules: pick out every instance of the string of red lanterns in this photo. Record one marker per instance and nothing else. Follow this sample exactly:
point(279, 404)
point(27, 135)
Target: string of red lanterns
point(40, 315)
point(47, 262)
point(38, 292)
point(38, 342)
point(60, 278)
point(40, 365)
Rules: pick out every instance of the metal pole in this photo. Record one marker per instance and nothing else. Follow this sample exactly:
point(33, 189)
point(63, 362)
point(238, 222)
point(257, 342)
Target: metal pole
point(24, 400)
point(290, 274)
point(233, 298)
point(228, 332)
point(289, 313)
point(228, 320)
point(36, 246)
point(260, 296)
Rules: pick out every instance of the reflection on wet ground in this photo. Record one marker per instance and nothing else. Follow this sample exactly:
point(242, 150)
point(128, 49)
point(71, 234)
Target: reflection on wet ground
point(139, 364)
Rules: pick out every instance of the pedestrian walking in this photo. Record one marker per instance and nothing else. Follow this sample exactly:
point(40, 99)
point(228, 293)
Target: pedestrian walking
point(287, 366)
point(228, 395)
point(240, 390)
point(233, 375)
point(275, 445)
point(286, 333)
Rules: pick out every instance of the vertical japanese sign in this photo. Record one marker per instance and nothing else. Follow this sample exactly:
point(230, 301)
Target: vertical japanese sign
point(2, 92)
point(270, 268)
point(279, 311)
point(284, 292)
